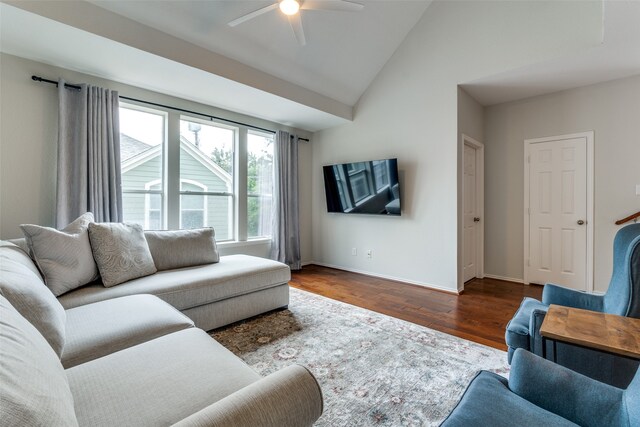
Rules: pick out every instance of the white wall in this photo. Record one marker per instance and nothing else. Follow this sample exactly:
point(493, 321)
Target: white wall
point(28, 135)
point(410, 112)
point(611, 110)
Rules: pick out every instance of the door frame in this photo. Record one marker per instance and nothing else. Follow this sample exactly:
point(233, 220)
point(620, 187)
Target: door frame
point(479, 147)
point(589, 136)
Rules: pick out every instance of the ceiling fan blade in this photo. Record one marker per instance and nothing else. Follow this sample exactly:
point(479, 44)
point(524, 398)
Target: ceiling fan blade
point(252, 15)
point(296, 26)
point(341, 5)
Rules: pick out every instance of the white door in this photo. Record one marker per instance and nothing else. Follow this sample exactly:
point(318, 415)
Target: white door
point(471, 216)
point(558, 212)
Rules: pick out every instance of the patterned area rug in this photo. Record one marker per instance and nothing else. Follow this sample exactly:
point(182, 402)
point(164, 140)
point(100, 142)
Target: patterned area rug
point(373, 369)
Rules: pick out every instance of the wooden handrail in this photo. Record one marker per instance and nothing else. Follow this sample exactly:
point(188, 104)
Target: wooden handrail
point(629, 218)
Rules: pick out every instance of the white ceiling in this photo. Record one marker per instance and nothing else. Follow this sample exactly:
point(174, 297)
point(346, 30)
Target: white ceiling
point(256, 68)
point(68, 47)
point(618, 56)
point(344, 50)
point(184, 48)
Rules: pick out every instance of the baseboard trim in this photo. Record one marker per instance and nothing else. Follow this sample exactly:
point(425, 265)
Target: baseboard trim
point(506, 279)
point(384, 276)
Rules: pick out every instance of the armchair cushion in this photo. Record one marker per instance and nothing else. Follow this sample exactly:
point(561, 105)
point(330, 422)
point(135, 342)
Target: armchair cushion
point(564, 392)
point(489, 402)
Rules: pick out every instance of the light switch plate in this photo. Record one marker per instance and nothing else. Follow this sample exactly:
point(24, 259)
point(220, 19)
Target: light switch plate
point(637, 189)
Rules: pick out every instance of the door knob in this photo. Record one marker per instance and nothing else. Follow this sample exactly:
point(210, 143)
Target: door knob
point(476, 219)
point(580, 222)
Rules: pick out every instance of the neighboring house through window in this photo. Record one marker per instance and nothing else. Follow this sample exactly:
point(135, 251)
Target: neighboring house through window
point(189, 182)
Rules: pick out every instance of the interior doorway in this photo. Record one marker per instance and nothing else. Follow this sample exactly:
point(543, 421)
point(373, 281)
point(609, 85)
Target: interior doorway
point(472, 208)
point(558, 211)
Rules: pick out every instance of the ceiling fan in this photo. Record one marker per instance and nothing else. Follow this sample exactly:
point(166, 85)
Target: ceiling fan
point(291, 8)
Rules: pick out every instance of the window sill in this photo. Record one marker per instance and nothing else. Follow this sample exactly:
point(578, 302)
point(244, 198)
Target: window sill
point(252, 242)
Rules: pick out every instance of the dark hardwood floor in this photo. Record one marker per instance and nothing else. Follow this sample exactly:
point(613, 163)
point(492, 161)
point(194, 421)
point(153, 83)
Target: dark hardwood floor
point(480, 314)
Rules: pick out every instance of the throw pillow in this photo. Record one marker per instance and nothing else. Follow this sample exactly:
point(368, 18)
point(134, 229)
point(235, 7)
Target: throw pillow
point(63, 256)
point(22, 285)
point(35, 391)
point(121, 252)
point(182, 248)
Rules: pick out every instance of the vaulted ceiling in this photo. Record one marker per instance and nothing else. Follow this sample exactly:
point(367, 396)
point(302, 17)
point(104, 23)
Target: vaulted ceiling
point(344, 50)
point(256, 68)
point(186, 49)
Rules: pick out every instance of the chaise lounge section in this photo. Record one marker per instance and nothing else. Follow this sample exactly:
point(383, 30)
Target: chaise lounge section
point(212, 295)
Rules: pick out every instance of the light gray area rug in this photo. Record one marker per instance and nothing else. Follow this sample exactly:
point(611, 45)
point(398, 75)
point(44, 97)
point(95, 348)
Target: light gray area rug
point(373, 369)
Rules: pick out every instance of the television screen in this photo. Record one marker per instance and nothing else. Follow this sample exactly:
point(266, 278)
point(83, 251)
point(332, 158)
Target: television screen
point(363, 187)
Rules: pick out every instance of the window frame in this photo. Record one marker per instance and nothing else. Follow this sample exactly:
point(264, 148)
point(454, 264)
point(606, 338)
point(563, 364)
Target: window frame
point(233, 213)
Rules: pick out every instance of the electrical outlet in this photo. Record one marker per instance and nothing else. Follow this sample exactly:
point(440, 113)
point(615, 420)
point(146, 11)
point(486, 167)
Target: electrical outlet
point(369, 253)
point(354, 251)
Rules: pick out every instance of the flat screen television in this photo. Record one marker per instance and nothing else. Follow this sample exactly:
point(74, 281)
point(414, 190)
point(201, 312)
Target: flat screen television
point(369, 187)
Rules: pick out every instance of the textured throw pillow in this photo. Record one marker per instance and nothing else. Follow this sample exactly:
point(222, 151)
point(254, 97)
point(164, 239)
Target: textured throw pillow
point(22, 285)
point(35, 391)
point(182, 248)
point(121, 252)
point(63, 256)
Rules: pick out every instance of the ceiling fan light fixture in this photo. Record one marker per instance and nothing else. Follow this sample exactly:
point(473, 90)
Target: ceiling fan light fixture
point(289, 7)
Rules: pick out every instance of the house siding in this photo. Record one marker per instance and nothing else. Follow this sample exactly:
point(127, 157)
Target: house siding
point(218, 208)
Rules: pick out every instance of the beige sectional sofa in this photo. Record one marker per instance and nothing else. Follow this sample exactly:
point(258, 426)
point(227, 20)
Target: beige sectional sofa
point(122, 356)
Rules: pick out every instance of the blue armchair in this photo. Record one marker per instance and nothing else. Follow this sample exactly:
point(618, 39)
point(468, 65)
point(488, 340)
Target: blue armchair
point(541, 393)
point(622, 298)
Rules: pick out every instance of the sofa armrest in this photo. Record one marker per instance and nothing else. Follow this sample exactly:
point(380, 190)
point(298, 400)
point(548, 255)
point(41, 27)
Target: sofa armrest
point(554, 294)
point(559, 390)
point(290, 397)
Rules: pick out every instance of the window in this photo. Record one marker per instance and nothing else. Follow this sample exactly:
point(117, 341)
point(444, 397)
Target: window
point(381, 174)
point(359, 177)
point(191, 180)
point(153, 206)
point(259, 184)
point(206, 176)
point(193, 207)
point(142, 136)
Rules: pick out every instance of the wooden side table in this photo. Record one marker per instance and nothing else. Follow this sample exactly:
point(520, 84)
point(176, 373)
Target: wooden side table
point(605, 332)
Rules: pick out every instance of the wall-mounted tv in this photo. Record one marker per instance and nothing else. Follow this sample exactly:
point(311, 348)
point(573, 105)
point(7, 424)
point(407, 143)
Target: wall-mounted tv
point(363, 187)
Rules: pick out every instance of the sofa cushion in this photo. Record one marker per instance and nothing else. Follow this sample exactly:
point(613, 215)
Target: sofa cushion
point(21, 243)
point(182, 248)
point(184, 288)
point(63, 256)
point(121, 252)
point(22, 285)
point(34, 388)
point(104, 327)
point(157, 383)
point(517, 334)
point(489, 402)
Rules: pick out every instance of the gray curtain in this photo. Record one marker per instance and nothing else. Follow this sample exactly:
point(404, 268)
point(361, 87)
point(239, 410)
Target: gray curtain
point(285, 246)
point(89, 178)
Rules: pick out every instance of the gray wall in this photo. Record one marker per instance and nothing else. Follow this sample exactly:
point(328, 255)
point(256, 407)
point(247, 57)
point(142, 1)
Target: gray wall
point(28, 135)
point(471, 124)
point(612, 111)
point(410, 112)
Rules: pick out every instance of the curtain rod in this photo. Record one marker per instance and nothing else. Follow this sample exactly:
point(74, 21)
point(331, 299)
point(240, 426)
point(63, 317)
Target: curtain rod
point(209, 116)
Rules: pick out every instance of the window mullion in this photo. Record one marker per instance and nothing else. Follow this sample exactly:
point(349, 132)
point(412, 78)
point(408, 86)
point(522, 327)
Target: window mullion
point(172, 172)
point(241, 184)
